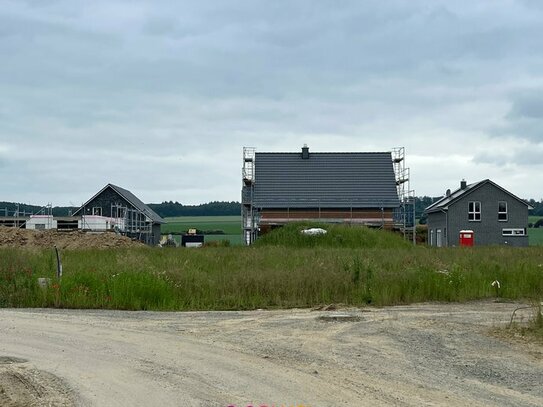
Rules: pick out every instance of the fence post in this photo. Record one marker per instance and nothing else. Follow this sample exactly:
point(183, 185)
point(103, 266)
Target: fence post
point(59, 264)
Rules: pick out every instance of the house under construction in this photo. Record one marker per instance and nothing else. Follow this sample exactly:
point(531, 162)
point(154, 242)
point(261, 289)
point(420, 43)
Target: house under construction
point(362, 188)
point(41, 220)
point(116, 209)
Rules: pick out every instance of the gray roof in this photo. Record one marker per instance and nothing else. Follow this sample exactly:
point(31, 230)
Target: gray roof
point(329, 180)
point(443, 203)
point(132, 199)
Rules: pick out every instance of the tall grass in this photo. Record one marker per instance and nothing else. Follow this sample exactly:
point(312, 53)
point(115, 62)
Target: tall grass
point(349, 265)
point(336, 236)
point(266, 277)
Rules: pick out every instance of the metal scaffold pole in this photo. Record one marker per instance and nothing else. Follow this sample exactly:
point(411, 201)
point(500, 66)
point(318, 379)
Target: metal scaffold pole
point(248, 226)
point(404, 216)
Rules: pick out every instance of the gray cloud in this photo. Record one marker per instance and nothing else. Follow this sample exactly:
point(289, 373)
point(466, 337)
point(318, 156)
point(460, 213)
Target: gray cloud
point(528, 155)
point(142, 93)
point(528, 106)
point(524, 120)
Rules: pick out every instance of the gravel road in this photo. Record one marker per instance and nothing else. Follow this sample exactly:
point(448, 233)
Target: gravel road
point(425, 354)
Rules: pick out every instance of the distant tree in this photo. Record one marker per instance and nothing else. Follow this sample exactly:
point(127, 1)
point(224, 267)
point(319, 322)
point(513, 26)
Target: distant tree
point(423, 219)
point(421, 203)
point(538, 207)
point(216, 208)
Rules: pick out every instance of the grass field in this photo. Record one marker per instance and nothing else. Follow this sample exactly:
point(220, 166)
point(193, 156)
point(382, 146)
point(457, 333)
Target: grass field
point(353, 266)
point(535, 235)
point(534, 219)
point(230, 225)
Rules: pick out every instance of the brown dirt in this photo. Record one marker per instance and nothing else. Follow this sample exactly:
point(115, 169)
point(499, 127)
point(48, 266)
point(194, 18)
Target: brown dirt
point(14, 237)
point(406, 356)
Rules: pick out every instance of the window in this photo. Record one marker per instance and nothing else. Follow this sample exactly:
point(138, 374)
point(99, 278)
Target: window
point(431, 237)
point(439, 243)
point(118, 211)
point(474, 211)
point(97, 210)
point(502, 211)
point(514, 232)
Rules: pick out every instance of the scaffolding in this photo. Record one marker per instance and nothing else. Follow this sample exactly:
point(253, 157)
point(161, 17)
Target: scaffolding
point(131, 222)
point(18, 218)
point(404, 215)
point(248, 212)
point(46, 211)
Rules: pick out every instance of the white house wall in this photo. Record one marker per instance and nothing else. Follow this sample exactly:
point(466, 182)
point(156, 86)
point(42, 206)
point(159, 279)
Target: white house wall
point(41, 222)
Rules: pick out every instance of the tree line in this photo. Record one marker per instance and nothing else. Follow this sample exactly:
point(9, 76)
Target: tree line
point(168, 209)
point(215, 208)
point(164, 209)
point(12, 208)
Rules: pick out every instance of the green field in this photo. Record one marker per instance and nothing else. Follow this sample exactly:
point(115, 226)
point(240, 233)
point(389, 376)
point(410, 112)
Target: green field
point(535, 235)
point(349, 265)
point(230, 225)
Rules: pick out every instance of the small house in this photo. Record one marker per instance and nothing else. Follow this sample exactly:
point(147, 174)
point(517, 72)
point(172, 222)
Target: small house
point(482, 213)
point(117, 209)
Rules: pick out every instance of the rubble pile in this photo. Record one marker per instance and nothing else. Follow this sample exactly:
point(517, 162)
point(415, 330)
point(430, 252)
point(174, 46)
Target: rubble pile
point(15, 237)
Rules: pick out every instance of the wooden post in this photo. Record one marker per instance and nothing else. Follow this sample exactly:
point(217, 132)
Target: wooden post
point(59, 264)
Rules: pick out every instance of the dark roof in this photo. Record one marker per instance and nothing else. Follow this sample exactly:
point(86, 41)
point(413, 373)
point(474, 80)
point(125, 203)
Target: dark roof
point(132, 199)
point(332, 180)
point(443, 203)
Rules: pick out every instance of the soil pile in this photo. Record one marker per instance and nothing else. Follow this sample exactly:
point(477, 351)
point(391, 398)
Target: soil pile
point(14, 237)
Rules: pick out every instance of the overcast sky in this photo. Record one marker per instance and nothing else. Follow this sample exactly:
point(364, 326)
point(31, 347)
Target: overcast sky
point(160, 97)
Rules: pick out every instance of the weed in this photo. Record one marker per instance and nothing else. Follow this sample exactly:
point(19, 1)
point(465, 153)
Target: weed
point(379, 270)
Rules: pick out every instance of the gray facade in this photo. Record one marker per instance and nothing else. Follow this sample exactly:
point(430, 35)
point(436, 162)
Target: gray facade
point(496, 216)
point(101, 204)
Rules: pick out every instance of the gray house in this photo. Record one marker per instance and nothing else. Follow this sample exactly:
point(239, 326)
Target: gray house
point(355, 188)
point(116, 208)
point(483, 211)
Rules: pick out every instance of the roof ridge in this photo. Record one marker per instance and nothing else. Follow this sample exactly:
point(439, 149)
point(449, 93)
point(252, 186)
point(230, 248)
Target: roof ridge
point(468, 189)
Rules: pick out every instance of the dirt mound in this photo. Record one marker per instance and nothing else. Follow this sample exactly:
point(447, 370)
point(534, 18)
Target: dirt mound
point(14, 237)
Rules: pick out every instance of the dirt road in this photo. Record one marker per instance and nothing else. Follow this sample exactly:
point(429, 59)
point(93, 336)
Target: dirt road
point(401, 356)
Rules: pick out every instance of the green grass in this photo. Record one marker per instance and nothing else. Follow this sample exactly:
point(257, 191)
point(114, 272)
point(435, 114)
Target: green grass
point(337, 236)
point(233, 240)
point(229, 225)
point(378, 270)
point(535, 236)
point(534, 219)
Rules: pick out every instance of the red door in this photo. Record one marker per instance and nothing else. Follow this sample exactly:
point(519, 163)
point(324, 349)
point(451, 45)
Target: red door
point(466, 238)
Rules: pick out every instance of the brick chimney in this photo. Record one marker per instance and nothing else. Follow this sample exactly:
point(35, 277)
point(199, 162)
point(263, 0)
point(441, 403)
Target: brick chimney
point(305, 152)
